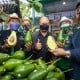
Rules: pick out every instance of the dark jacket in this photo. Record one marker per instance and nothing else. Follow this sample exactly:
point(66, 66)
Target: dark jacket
point(4, 35)
point(44, 53)
point(75, 55)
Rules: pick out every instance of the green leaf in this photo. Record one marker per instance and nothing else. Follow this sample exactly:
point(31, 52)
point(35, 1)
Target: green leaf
point(36, 0)
point(30, 5)
point(33, 0)
point(4, 16)
point(38, 6)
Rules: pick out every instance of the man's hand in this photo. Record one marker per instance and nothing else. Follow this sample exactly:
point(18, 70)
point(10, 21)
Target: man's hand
point(38, 45)
point(61, 52)
point(28, 46)
point(6, 45)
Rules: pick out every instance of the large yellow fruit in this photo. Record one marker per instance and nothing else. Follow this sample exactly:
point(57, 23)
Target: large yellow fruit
point(51, 43)
point(12, 39)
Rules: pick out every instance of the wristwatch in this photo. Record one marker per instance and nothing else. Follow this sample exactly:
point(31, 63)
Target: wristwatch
point(68, 54)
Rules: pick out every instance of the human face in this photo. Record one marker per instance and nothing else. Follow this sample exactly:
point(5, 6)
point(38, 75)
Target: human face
point(44, 24)
point(44, 27)
point(65, 22)
point(14, 26)
point(44, 20)
point(26, 25)
point(26, 22)
point(78, 13)
point(14, 20)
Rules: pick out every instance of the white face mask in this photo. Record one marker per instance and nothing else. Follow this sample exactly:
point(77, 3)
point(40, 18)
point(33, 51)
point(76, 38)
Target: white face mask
point(65, 25)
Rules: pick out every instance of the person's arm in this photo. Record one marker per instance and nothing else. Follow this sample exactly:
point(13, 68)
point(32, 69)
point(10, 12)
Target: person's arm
point(75, 54)
point(3, 44)
point(4, 47)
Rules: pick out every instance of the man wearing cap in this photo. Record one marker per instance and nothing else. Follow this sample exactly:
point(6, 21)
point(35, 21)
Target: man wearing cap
point(13, 26)
point(39, 48)
point(73, 50)
point(66, 29)
point(13, 18)
point(63, 41)
point(26, 25)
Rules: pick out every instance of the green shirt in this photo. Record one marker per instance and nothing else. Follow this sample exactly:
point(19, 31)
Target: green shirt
point(64, 63)
point(20, 29)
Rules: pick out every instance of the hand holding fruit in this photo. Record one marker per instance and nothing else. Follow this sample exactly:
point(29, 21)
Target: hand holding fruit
point(38, 45)
point(6, 45)
point(61, 52)
point(28, 46)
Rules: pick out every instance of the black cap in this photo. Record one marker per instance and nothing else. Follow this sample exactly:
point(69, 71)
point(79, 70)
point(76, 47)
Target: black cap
point(78, 4)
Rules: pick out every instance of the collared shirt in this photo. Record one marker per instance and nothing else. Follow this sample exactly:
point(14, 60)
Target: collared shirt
point(44, 53)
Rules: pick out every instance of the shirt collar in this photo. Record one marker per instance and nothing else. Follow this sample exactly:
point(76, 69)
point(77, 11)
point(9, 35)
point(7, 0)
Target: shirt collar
point(42, 35)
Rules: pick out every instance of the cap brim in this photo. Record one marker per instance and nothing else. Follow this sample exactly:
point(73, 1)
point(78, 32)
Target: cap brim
point(14, 18)
point(66, 20)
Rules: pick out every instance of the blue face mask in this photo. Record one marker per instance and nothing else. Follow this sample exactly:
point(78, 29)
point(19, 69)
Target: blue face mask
point(1, 27)
point(14, 25)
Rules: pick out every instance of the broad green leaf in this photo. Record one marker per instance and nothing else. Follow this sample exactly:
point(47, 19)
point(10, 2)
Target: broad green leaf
point(38, 7)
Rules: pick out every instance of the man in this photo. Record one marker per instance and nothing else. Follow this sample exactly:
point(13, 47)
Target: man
point(39, 47)
point(73, 51)
point(26, 25)
point(63, 41)
point(77, 25)
point(65, 32)
point(4, 35)
point(13, 18)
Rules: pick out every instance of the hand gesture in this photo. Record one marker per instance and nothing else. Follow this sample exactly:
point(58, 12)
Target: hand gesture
point(59, 52)
point(38, 45)
point(6, 45)
point(28, 46)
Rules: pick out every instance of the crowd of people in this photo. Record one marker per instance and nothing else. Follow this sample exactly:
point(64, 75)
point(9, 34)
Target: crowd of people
point(68, 46)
